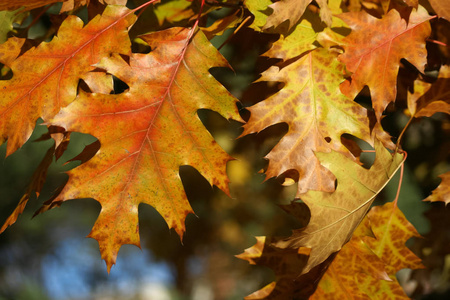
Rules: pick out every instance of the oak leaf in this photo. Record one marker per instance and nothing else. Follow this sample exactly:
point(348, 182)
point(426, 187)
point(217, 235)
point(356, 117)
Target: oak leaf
point(45, 78)
point(374, 48)
point(442, 192)
point(147, 133)
point(317, 113)
point(428, 98)
point(335, 216)
point(293, 10)
point(352, 265)
point(367, 265)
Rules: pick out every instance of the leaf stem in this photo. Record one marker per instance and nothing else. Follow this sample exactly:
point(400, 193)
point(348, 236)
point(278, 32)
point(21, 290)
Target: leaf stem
point(405, 155)
point(437, 42)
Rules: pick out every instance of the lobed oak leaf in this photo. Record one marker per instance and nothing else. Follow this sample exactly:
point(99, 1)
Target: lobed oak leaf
point(147, 133)
point(374, 48)
point(391, 230)
point(335, 216)
point(442, 192)
point(317, 114)
point(293, 10)
point(358, 271)
point(45, 78)
point(429, 99)
point(352, 264)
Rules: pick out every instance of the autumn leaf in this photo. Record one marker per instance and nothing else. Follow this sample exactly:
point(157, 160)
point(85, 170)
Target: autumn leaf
point(293, 10)
point(429, 99)
point(317, 113)
point(366, 266)
point(442, 8)
point(10, 50)
point(335, 216)
point(412, 3)
point(259, 9)
point(7, 18)
point(46, 77)
point(299, 41)
point(70, 5)
point(442, 192)
point(147, 133)
point(351, 266)
point(374, 48)
point(391, 231)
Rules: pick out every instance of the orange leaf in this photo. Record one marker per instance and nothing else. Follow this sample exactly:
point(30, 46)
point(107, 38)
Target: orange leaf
point(317, 114)
point(147, 133)
point(46, 77)
point(374, 48)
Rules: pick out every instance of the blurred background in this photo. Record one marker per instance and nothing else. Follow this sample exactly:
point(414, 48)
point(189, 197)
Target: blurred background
point(47, 257)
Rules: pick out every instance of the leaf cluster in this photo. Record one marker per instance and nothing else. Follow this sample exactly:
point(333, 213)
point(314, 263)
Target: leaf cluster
point(135, 74)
